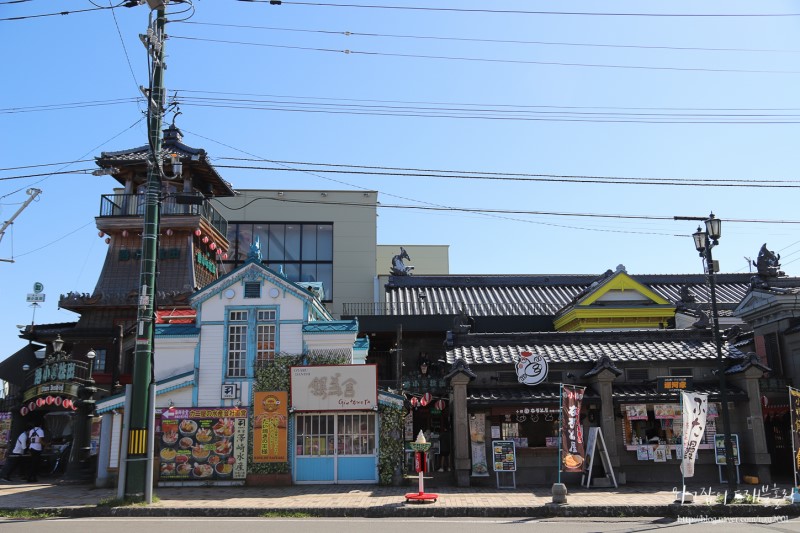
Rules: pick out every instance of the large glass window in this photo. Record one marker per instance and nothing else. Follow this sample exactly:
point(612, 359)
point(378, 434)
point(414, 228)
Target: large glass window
point(265, 337)
point(302, 251)
point(237, 344)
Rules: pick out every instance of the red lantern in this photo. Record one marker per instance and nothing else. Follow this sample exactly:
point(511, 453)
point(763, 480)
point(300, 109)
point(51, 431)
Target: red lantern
point(39, 402)
point(224, 256)
point(58, 401)
point(205, 239)
point(213, 246)
point(426, 398)
point(124, 233)
point(197, 232)
point(440, 404)
point(414, 401)
point(108, 240)
point(49, 400)
point(101, 234)
point(23, 411)
point(170, 232)
point(31, 406)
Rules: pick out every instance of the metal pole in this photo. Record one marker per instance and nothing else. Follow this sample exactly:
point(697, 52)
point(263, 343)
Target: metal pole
point(560, 426)
point(793, 420)
point(730, 468)
point(148, 488)
point(126, 421)
point(136, 482)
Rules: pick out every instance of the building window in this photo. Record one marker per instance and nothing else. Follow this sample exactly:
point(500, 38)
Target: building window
point(680, 372)
point(638, 374)
point(356, 434)
point(265, 337)
point(252, 289)
point(315, 435)
point(301, 251)
point(237, 344)
point(99, 364)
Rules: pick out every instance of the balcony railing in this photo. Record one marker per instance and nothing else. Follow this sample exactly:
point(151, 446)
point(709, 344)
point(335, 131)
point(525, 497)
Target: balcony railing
point(449, 308)
point(133, 205)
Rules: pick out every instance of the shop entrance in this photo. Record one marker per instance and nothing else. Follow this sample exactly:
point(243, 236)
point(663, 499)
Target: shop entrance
point(336, 448)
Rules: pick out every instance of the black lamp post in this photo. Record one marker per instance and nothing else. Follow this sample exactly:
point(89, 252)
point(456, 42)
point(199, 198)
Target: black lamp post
point(77, 468)
point(704, 241)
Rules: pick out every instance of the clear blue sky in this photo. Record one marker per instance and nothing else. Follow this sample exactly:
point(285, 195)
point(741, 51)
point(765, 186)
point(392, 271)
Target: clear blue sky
point(663, 98)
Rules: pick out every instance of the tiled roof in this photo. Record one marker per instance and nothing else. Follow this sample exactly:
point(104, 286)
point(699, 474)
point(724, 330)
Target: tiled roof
point(536, 294)
point(649, 393)
point(589, 347)
point(544, 393)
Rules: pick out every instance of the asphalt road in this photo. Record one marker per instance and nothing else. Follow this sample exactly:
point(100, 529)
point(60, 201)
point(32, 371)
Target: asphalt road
point(391, 525)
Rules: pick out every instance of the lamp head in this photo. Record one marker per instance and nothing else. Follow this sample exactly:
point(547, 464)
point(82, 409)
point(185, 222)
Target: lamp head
point(58, 344)
point(26, 367)
point(700, 240)
point(91, 354)
point(713, 228)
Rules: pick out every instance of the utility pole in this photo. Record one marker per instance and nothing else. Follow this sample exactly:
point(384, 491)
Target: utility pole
point(32, 194)
point(138, 460)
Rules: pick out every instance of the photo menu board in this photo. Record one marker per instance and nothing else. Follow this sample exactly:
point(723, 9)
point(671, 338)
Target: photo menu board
point(202, 444)
point(504, 456)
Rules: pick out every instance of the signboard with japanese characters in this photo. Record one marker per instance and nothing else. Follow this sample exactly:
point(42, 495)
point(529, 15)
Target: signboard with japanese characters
point(572, 451)
point(270, 414)
point(334, 387)
point(5, 434)
point(673, 383)
point(202, 444)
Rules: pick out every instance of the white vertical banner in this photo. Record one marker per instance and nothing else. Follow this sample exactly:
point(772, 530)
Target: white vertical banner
point(695, 408)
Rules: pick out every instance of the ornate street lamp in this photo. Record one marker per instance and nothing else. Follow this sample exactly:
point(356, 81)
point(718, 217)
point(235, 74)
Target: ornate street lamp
point(704, 241)
point(78, 468)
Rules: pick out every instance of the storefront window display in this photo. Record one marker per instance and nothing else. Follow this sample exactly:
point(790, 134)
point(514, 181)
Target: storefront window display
point(660, 424)
point(527, 427)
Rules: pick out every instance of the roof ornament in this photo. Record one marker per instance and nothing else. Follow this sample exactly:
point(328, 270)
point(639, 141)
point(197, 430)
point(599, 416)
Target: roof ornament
point(767, 263)
point(398, 267)
point(462, 322)
point(255, 250)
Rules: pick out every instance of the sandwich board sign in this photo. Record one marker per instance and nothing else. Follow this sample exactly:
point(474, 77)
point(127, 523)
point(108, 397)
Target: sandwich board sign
point(596, 441)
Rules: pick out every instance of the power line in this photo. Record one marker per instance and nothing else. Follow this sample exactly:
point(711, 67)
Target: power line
point(488, 60)
point(486, 173)
point(539, 178)
point(53, 14)
point(496, 41)
point(69, 105)
point(46, 165)
point(523, 12)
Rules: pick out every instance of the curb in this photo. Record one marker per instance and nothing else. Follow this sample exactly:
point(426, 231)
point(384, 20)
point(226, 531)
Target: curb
point(402, 510)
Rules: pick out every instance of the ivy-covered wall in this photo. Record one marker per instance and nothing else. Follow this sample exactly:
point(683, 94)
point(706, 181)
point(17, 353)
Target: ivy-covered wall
point(391, 443)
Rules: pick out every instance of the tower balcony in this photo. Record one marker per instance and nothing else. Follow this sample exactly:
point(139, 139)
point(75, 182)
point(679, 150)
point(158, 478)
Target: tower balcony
point(184, 210)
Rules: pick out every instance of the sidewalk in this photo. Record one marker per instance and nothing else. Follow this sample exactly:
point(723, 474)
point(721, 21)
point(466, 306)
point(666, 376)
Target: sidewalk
point(374, 501)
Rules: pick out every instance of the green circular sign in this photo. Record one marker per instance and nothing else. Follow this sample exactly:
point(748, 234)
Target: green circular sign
point(38, 287)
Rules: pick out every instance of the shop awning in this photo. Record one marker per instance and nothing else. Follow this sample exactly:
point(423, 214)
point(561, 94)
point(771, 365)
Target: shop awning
point(649, 393)
point(547, 393)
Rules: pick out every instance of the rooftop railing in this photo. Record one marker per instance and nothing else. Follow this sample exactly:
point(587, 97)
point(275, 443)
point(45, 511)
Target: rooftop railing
point(133, 205)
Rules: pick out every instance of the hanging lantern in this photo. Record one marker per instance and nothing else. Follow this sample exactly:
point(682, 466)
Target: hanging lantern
point(124, 233)
point(426, 399)
point(197, 232)
point(67, 403)
point(219, 252)
point(440, 404)
point(39, 402)
point(224, 256)
point(23, 411)
point(213, 246)
point(101, 234)
point(108, 240)
point(414, 401)
point(205, 239)
point(49, 400)
point(170, 232)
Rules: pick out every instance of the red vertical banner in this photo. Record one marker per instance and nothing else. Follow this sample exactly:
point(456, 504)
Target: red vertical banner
point(572, 451)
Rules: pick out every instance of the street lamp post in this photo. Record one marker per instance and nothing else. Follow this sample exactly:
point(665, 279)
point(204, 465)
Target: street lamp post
point(704, 241)
point(77, 468)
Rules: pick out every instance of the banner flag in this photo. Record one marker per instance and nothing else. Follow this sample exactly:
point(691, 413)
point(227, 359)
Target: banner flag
point(794, 417)
point(695, 409)
point(572, 451)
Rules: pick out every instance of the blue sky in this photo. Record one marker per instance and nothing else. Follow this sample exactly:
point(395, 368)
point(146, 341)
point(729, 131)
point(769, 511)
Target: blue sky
point(657, 98)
